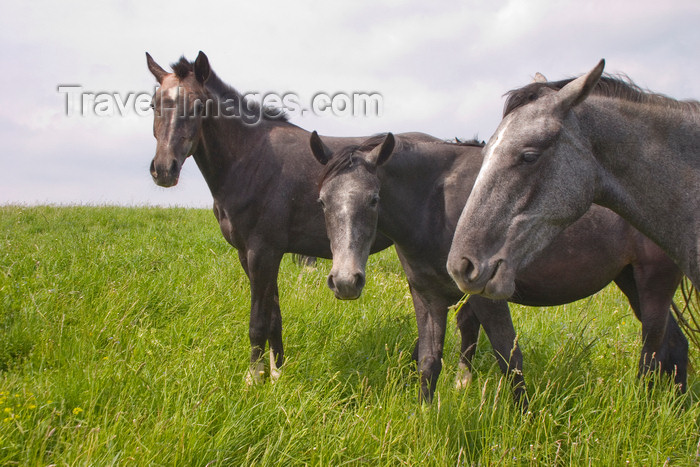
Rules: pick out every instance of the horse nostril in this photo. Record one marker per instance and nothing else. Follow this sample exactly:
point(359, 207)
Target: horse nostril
point(359, 280)
point(331, 282)
point(470, 271)
point(154, 174)
point(173, 167)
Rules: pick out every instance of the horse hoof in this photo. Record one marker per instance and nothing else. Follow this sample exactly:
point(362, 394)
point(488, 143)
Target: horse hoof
point(255, 374)
point(275, 372)
point(464, 377)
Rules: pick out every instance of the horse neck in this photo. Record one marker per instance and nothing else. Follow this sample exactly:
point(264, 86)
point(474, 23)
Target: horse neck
point(411, 176)
point(647, 155)
point(225, 143)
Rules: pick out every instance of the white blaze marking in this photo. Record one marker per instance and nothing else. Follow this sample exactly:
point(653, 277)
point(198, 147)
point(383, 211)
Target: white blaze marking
point(489, 157)
point(172, 92)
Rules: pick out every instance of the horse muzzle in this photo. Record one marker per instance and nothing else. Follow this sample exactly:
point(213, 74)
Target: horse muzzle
point(346, 286)
point(165, 174)
point(492, 279)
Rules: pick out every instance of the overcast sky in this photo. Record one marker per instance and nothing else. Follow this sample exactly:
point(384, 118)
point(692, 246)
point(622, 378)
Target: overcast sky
point(441, 68)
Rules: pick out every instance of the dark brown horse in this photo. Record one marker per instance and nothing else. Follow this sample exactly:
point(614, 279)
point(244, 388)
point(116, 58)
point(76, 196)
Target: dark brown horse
point(413, 192)
point(260, 174)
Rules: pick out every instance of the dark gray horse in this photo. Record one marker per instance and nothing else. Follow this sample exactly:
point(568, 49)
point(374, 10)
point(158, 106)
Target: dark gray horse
point(415, 197)
point(564, 145)
point(260, 174)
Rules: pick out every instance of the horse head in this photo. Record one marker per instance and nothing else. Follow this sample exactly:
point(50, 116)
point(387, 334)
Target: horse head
point(349, 195)
point(178, 105)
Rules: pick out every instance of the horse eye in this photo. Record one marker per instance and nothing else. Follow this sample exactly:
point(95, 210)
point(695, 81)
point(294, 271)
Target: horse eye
point(529, 157)
point(374, 201)
point(323, 205)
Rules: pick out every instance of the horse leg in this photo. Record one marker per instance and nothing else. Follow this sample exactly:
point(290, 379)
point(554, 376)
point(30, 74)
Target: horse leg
point(650, 289)
point(653, 328)
point(431, 318)
point(657, 281)
point(494, 316)
point(469, 327)
point(626, 283)
point(256, 369)
point(676, 350)
point(262, 267)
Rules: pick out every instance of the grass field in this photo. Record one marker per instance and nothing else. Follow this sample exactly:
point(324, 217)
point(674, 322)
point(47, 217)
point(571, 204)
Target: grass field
point(123, 341)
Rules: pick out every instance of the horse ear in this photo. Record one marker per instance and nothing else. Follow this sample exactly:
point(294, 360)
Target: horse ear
point(382, 153)
point(320, 151)
point(576, 91)
point(539, 78)
point(201, 67)
point(156, 69)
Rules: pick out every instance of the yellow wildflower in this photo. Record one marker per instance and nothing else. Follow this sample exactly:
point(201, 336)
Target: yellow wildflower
point(77, 410)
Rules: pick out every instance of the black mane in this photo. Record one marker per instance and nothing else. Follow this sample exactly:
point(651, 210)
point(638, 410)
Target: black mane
point(474, 142)
point(182, 69)
point(618, 87)
point(344, 159)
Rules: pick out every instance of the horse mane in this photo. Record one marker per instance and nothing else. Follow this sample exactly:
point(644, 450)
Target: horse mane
point(375, 140)
point(612, 86)
point(474, 142)
point(344, 159)
point(183, 68)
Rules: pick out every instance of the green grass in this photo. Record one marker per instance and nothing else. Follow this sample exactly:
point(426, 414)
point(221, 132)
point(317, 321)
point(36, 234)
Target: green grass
point(123, 341)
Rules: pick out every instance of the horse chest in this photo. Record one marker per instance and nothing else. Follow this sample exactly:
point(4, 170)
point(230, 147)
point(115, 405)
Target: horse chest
point(228, 228)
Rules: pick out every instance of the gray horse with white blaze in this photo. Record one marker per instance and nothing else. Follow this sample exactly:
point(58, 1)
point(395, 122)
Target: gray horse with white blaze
point(565, 145)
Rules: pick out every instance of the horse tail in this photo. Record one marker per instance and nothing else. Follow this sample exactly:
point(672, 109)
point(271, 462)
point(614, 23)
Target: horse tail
point(689, 317)
point(302, 260)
